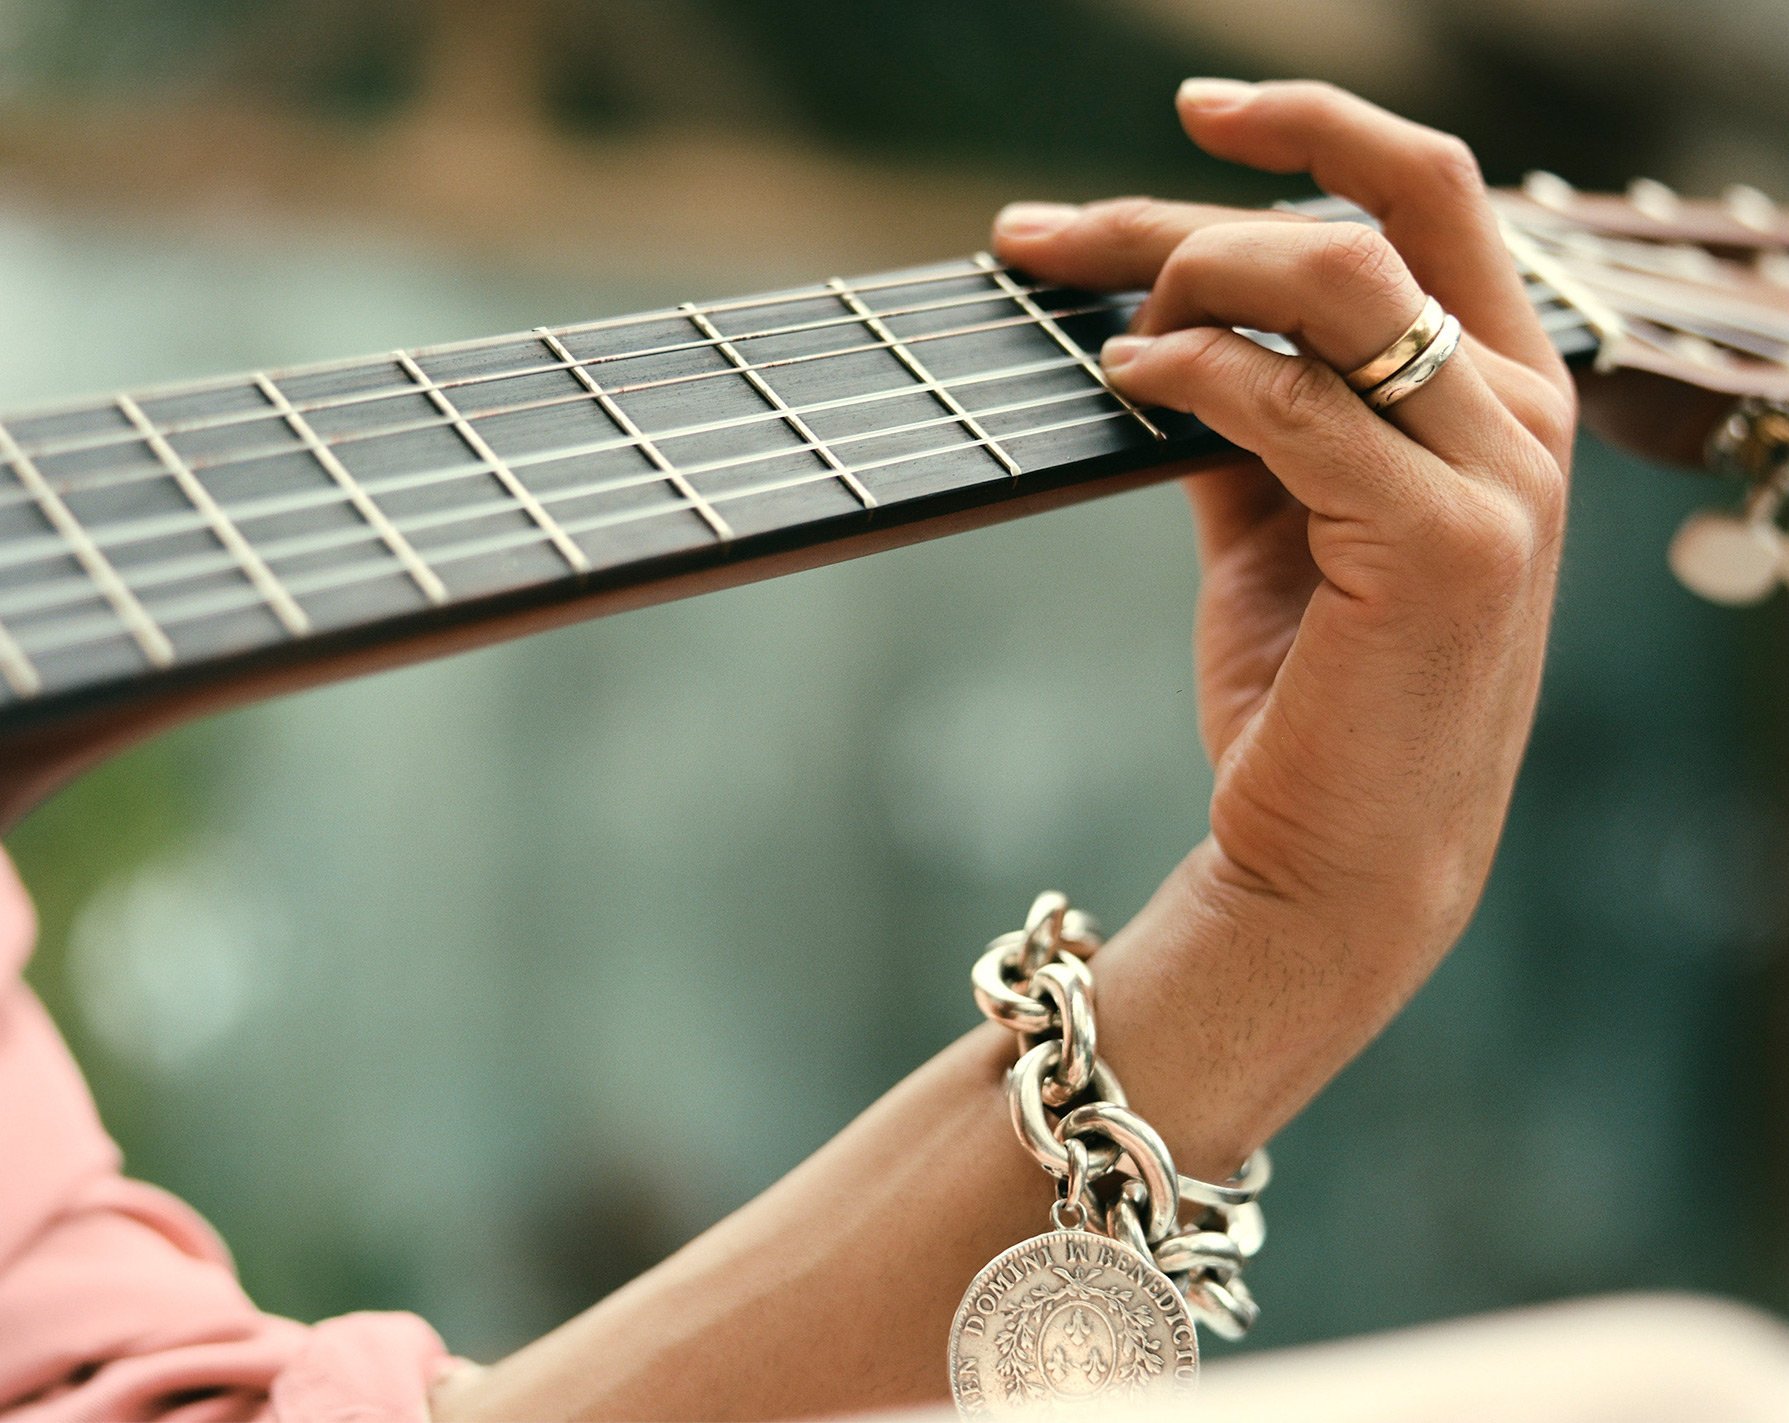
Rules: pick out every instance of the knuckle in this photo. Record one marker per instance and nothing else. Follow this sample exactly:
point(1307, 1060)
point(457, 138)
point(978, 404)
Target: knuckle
point(1453, 163)
point(1356, 256)
point(1302, 392)
point(1184, 263)
point(1545, 487)
point(1489, 536)
point(1537, 457)
point(1555, 421)
point(1314, 93)
point(1200, 360)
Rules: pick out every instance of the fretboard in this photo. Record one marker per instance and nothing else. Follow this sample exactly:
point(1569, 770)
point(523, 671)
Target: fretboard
point(185, 533)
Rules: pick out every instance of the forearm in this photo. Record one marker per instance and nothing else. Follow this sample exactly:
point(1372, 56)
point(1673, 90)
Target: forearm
point(834, 1290)
point(830, 1292)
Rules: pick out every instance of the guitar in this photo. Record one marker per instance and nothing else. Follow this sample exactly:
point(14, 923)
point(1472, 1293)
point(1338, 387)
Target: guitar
point(174, 551)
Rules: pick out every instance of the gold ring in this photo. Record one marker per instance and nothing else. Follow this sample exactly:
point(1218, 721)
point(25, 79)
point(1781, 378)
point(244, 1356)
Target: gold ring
point(1420, 371)
point(1402, 351)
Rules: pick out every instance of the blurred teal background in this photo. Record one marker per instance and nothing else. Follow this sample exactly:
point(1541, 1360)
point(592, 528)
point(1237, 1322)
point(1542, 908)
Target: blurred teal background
point(478, 987)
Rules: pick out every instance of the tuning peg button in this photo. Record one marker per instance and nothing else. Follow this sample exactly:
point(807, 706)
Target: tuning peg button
point(1654, 200)
point(1773, 267)
point(1548, 190)
point(1727, 558)
point(1752, 208)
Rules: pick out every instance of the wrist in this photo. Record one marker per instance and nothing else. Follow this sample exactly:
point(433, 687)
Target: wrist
point(1224, 1008)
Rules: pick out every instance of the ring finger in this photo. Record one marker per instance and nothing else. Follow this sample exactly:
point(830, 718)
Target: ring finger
point(1342, 292)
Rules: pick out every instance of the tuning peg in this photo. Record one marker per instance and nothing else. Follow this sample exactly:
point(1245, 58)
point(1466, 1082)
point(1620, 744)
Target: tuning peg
point(1773, 267)
point(1737, 558)
point(1752, 443)
point(1654, 200)
point(1728, 558)
point(1698, 350)
point(1751, 208)
point(1548, 190)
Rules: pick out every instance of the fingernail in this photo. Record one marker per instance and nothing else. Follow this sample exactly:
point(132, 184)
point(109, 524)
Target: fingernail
point(1120, 351)
point(1212, 95)
point(1034, 219)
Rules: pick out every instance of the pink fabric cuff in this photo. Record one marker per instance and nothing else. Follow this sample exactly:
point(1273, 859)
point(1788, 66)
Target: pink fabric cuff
point(118, 1303)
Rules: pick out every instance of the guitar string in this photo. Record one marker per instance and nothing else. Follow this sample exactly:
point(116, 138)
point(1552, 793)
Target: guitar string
point(1676, 264)
point(45, 597)
point(402, 389)
point(95, 631)
point(964, 270)
point(1716, 315)
point(29, 550)
point(152, 471)
point(403, 386)
point(47, 547)
point(644, 318)
point(820, 291)
point(1639, 297)
point(533, 537)
point(214, 385)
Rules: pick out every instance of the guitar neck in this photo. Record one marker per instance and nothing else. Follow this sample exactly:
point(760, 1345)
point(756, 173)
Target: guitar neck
point(155, 543)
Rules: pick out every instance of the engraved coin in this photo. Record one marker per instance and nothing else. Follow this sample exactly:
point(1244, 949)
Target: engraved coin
point(1067, 1319)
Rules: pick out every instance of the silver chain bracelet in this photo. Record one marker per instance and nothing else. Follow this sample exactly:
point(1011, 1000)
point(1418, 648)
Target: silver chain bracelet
point(1101, 1307)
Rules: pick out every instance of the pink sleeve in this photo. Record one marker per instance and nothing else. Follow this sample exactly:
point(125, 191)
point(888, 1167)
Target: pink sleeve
point(117, 1302)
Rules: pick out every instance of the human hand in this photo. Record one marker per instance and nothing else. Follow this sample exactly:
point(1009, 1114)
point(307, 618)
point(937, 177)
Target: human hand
point(1375, 590)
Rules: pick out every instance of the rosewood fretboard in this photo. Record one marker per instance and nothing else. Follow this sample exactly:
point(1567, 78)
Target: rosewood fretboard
point(186, 534)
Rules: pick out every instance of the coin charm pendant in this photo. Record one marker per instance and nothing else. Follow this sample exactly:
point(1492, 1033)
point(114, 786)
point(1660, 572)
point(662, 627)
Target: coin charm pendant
point(1065, 1319)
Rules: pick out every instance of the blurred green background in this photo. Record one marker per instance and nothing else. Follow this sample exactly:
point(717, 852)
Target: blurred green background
point(477, 988)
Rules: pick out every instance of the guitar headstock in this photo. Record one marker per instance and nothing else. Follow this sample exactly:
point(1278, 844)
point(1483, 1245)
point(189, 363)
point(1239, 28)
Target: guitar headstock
point(1692, 289)
point(1689, 302)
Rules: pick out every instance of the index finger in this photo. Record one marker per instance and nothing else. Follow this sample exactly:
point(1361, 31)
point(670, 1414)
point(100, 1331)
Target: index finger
point(1119, 244)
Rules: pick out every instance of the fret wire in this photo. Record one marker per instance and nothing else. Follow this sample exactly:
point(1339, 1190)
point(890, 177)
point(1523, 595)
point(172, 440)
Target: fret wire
point(874, 324)
point(299, 545)
point(131, 613)
point(520, 492)
point(278, 600)
point(795, 422)
point(709, 514)
point(127, 476)
point(273, 505)
point(1026, 304)
point(219, 422)
point(218, 604)
point(424, 577)
point(17, 668)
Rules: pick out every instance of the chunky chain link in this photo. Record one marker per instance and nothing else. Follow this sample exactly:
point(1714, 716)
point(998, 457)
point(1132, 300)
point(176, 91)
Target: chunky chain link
point(1115, 1174)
